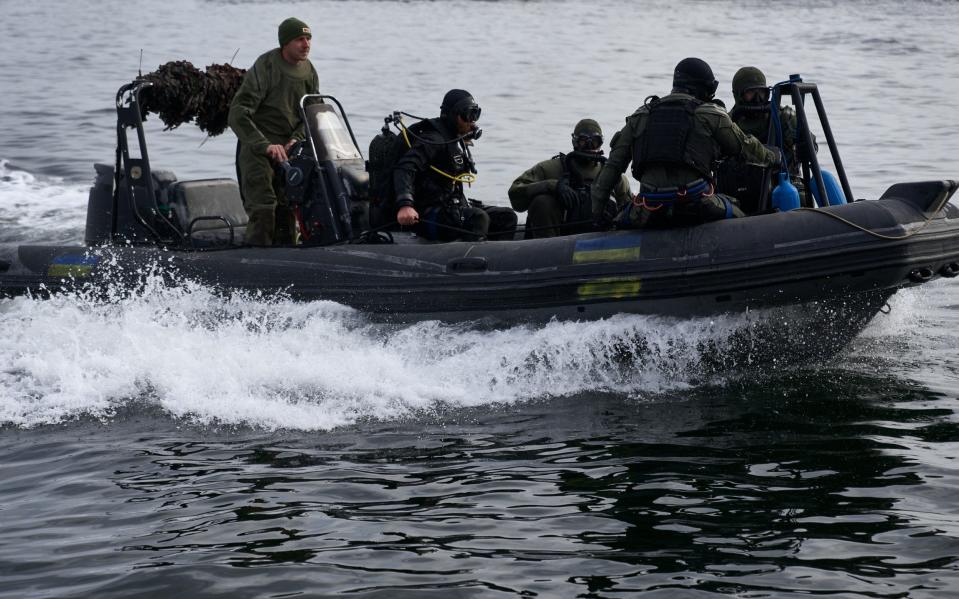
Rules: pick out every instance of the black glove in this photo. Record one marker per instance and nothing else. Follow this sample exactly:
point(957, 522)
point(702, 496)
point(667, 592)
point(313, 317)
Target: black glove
point(604, 220)
point(566, 195)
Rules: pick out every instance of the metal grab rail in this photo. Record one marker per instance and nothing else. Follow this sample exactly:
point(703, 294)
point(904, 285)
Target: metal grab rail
point(136, 171)
point(797, 89)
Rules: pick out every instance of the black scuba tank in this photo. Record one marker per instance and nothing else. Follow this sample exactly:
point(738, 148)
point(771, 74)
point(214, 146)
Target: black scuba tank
point(380, 164)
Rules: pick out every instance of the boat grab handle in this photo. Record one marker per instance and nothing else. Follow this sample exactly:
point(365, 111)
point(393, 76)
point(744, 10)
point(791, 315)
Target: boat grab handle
point(921, 275)
point(189, 230)
point(950, 270)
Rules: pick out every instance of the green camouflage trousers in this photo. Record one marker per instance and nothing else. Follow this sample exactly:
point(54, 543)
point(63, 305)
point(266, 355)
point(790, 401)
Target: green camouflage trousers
point(271, 222)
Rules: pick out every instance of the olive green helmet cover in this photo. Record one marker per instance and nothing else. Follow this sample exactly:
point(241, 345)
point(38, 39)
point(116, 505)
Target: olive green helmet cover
point(747, 78)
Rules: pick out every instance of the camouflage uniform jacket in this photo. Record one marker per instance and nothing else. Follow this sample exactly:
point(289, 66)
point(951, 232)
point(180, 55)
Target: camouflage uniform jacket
point(756, 123)
point(266, 108)
point(712, 121)
point(542, 178)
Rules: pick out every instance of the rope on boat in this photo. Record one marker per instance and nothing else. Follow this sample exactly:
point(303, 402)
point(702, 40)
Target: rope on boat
point(864, 229)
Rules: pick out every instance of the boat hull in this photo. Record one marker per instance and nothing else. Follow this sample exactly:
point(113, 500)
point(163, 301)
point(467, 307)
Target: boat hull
point(837, 253)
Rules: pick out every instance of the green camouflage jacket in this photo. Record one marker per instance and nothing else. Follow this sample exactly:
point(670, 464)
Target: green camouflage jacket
point(542, 178)
point(727, 139)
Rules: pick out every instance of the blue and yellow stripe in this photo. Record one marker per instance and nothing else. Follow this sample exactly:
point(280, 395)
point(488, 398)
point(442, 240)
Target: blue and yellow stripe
point(617, 248)
point(610, 288)
point(72, 265)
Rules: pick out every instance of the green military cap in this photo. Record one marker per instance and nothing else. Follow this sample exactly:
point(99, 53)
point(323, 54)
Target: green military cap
point(292, 28)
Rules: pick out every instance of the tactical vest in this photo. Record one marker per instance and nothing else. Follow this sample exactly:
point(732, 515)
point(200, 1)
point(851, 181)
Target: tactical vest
point(672, 136)
point(752, 122)
point(582, 186)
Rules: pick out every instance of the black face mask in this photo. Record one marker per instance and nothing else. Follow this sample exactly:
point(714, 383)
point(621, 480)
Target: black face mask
point(587, 142)
point(760, 96)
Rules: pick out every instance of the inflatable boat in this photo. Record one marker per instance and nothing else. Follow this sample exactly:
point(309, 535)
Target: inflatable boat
point(852, 254)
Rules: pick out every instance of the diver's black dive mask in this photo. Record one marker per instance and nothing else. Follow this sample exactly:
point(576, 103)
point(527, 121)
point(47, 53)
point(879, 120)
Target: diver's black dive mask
point(758, 98)
point(587, 142)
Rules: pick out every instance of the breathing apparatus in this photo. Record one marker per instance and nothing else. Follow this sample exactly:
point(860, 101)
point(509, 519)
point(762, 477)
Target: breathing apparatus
point(396, 120)
point(751, 79)
point(596, 156)
point(588, 142)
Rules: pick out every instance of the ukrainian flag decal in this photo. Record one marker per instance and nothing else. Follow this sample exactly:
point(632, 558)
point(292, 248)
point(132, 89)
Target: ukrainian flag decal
point(610, 288)
point(619, 248)
point(72, 265)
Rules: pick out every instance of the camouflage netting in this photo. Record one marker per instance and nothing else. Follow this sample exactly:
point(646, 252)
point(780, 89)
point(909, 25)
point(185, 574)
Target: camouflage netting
point(181, 93)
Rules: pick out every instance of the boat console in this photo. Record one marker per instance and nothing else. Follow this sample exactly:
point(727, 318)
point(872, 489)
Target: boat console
point(132, 203)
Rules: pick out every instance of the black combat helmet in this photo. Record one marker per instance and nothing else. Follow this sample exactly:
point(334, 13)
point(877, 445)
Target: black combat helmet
point(459, 102)
point(693, 76)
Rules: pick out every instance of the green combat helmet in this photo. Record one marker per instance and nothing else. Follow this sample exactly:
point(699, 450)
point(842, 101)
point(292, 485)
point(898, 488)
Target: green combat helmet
point(747, 78)
point(588, 136)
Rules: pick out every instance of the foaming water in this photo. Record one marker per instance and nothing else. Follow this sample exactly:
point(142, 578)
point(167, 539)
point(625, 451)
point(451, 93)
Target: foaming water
point(918, 339)
point(274, 363)
point(34, 210)
point(266, 361)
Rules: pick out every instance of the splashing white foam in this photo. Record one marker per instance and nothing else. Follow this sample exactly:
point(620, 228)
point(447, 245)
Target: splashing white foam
point(271, 362)
point(40, 210)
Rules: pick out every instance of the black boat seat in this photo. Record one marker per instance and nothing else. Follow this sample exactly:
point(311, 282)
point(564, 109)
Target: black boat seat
point(208, 208)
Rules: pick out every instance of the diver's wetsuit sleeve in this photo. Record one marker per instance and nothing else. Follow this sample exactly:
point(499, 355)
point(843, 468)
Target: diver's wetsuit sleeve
point(535, 181)
point(416, 160)
point(620, 156)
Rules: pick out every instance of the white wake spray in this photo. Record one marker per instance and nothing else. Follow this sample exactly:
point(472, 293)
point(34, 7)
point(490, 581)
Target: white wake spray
point(34, 210)
point(266, 361)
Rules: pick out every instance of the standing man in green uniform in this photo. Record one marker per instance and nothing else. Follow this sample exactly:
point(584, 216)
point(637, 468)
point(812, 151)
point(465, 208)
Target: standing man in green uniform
point(673, 143)
point(556, 192)
point(265, 117)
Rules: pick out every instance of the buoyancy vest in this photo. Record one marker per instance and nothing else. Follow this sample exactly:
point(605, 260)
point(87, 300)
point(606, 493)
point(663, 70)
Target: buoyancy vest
point(673, 136)
point(582, 186)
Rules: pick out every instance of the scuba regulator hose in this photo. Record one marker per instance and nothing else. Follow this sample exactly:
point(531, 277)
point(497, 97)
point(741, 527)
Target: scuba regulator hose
point(466, 178)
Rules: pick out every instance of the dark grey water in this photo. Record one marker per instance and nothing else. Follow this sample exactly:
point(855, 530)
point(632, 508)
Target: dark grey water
point(180, 442)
